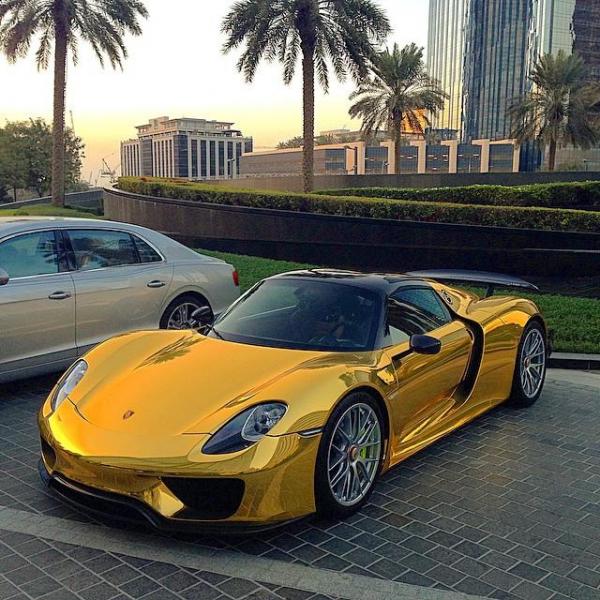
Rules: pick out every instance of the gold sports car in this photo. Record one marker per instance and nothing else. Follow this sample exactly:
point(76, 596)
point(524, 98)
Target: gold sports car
point(293, 402)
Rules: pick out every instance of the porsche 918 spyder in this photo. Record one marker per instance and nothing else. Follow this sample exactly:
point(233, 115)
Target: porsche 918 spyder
point(294, 401)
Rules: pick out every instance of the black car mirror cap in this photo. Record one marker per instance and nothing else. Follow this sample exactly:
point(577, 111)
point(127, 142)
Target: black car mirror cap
point(4, 277)
point(425, 344)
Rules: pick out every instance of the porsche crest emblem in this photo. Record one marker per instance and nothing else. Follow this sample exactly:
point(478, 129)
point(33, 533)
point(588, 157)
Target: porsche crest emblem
point(128, 415)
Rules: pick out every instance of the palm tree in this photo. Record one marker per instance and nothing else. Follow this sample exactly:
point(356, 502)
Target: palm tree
point(561, 109)
point(58, 25)
point(341, 33)
point(398, 91)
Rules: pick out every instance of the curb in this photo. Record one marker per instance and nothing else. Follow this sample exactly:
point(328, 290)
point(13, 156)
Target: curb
point(567, 360)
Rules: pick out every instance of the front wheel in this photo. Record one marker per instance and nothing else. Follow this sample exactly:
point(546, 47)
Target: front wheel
point(530, 370)
point(350, 456)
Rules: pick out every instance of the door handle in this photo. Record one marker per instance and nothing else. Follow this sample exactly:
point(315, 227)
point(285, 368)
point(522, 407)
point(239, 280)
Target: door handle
point(59, 296)
point(156, 284)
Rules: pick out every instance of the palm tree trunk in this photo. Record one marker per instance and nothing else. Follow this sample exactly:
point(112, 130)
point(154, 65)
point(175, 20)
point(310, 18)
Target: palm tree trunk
point(60, 83)
point(397, 146)
point(308, 100)
point(552, 156)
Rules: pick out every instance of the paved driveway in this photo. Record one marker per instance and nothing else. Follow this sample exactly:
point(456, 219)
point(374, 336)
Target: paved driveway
point(508, 507)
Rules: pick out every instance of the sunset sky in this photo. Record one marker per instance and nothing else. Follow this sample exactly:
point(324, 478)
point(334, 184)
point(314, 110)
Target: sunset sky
point(177, 69)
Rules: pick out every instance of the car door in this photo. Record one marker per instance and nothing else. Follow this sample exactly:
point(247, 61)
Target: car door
point(426, 384)
point(121, 284)
point(37, 305)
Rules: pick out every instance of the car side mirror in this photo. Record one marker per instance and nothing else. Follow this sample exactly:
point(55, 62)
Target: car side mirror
point(425, 344)
point(4, 277)
point(202, 316)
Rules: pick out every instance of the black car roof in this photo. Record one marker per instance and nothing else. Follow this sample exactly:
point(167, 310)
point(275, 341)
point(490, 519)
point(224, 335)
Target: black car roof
point(377, 282)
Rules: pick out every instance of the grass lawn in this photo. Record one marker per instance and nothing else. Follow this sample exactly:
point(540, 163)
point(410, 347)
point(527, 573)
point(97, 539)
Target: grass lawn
point(44, 210)
point(574, 321)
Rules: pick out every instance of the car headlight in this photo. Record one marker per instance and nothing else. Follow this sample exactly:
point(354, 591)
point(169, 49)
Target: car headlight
point(246, 429)
point(69, 382)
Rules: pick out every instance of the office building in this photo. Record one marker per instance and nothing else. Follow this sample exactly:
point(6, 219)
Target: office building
point(185, 148)
point(361, 158)
point(445, 58)
point(483, 51)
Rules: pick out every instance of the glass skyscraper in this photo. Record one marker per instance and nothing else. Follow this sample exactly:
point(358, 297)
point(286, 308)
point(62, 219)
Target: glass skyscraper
point(482, 52)
point(446, 57)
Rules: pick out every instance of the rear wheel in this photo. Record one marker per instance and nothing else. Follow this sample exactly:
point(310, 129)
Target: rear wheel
point(178, 315)
point(350, 456)
point(530, 370)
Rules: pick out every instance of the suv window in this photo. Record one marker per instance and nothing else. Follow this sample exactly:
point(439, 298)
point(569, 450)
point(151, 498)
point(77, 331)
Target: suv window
point(414, 311)
point(99, 249)
point(30, 254)
point(146, 252)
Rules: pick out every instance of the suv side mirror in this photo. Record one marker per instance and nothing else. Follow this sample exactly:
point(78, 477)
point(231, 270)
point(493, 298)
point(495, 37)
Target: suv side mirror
point(202, 316)
point(425, 344)
point(4, 278)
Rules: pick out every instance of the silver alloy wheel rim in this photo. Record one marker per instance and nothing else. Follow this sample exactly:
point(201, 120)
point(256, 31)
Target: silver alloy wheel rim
point(354, 454)
point(181, 316)
point(533, 362)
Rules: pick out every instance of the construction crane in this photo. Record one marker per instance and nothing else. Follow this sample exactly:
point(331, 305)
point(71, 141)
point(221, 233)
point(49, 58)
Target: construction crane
point(107, 171)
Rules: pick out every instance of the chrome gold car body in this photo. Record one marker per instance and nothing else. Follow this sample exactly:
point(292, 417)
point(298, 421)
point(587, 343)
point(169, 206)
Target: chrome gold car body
point(134, 428)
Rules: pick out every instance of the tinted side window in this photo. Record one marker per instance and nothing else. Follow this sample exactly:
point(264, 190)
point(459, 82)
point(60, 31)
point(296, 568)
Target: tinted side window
point(98, 249)
point(414, 312)
point(29, 255)
point(146, 252)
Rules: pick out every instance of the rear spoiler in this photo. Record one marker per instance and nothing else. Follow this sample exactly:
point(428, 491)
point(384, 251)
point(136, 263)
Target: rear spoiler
point(492, 280)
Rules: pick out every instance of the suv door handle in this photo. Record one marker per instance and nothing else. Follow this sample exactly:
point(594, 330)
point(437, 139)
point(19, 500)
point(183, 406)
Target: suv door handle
point(156, 284)
point(59, 296)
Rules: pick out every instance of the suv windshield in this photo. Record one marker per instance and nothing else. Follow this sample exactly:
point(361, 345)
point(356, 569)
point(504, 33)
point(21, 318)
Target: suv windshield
point(304, 315)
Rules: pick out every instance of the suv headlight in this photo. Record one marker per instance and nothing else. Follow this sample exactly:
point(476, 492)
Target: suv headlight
point(246, 429)
point(69, 382)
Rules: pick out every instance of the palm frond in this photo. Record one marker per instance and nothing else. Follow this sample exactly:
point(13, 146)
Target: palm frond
point(102, 23)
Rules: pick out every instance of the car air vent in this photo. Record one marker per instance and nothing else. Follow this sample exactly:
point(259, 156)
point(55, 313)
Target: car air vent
point(207, 498)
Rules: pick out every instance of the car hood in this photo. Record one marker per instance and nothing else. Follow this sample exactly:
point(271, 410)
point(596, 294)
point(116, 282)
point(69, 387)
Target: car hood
point(170, 383)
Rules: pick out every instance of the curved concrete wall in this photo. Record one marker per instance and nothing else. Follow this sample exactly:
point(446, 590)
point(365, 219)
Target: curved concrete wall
point(360, 243)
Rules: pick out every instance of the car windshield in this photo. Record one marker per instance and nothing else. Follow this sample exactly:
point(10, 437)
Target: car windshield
point(304, 315)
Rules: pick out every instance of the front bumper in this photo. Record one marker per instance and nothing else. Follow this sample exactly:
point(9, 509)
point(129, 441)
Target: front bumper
point(268, 484)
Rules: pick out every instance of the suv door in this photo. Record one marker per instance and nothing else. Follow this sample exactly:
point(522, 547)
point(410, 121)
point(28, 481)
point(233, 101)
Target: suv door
point(121, 284)
point(37, 306)
point(426, 383)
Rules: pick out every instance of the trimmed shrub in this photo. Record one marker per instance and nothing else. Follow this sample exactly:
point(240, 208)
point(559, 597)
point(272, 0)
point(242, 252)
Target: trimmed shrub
point(378, 208)
point(578, 195)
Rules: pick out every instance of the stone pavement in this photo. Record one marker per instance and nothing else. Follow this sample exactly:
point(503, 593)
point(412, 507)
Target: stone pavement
point(508, 507)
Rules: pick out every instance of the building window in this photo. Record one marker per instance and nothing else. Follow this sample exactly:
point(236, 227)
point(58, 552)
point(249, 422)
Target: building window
point(231, 160)
point(203, 164)
point(501, 158)
point(238, 154)
point(469, 159)
point(438, 159)
point(194, 159)
point(335, 161)
point(376, 160)
point(213, 159)
point(221, 159)
point(409, 159)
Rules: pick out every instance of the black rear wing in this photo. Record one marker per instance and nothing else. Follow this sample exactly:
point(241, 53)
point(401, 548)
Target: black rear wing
point(492, 280)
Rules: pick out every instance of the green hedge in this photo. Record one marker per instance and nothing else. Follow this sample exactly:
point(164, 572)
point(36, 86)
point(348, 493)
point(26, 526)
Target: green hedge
point(578, 195)
point(378, 208)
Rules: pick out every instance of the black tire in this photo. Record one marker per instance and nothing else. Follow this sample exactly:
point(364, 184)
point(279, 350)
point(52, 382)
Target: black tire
point(520, 396)
point(327, 504)
point(189, 299)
